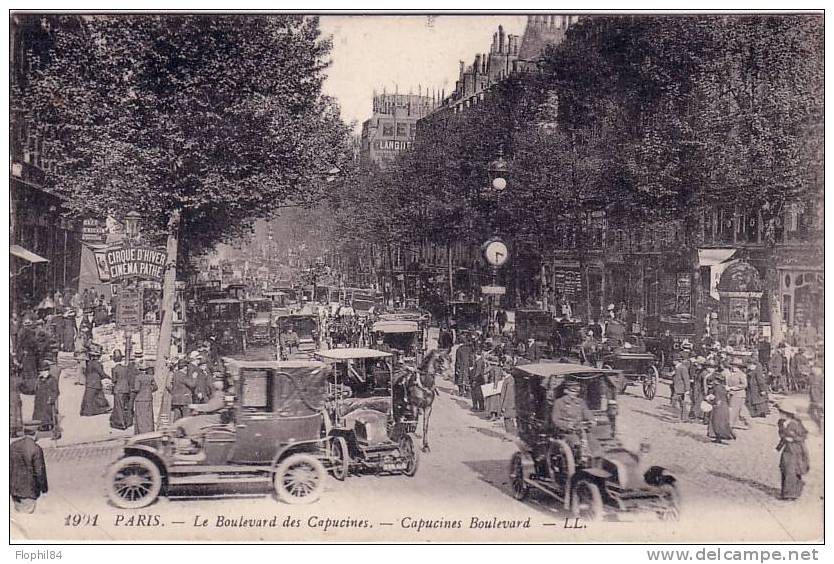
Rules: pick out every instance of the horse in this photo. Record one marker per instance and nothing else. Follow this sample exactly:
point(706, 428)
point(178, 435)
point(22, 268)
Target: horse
point(420, 388)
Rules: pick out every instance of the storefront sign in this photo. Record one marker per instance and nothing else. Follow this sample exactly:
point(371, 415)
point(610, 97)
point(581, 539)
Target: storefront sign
point(494, 290)
point(568, 283)
point(129, 312)
point(139, 262)
point(94, 231)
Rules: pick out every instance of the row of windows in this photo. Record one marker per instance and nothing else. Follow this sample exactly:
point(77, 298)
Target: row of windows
point(402, 129)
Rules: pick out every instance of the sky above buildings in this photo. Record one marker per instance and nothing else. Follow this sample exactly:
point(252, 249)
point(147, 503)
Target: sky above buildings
point(404, 53)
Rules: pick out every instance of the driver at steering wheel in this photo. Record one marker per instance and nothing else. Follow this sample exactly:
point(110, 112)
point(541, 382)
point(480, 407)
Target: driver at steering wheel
point(205, 414)
point(570, 413)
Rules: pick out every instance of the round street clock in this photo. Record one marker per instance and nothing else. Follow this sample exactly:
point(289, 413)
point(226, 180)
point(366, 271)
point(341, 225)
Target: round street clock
point(496, 253)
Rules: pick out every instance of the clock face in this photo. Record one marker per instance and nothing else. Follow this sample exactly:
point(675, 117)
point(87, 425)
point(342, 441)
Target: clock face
point(496, 253)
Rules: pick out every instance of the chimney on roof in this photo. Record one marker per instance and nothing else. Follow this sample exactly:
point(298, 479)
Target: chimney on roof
point(461, 70)
point(476, 68)
point(494, 47)
point(500, 38)
point(483, 63)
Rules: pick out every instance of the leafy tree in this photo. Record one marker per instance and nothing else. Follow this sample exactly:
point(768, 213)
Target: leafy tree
point(219, 117)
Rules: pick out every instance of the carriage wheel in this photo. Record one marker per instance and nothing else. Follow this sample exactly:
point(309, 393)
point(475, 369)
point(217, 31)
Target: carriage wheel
point(341, 458)
point(133, 482)
point(650, 382)
point(410, 453)
point(586, 501)
point(299, 478)
point(520, 487)
point(672, 511)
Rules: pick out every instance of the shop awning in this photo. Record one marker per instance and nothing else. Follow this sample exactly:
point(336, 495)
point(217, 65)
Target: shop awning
point(711, 257)
point(29, 256)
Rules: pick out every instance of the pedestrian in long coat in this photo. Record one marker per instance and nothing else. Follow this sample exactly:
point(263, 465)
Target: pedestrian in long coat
point(15, 402)
point(680, 385)
point(463, 365)
point(94, 402)
point(181, 387)
point(122, 416)
point(777, 365)
point(697, 389)
point(144, 386)
point(203, 385)
point(757, 399)
point(27, 469)
point(737, 387)
point(508, 404)
point(719, 428)
point(478, 379)
point(28, 355)
point(46, 397)
point(793, 464)
point(68, 331)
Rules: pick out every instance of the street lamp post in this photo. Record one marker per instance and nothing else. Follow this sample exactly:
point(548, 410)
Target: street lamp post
point(495, 250)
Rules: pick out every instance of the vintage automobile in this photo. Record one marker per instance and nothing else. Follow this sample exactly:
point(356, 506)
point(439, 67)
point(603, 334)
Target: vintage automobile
point(258, 317)
point(535, 324)
point(681, 328)
point(370, 424)
point(225, 321)
point(280, 300)
point(401, 335)
point(637, 366)
point(464, 315)
point(305, 326)
point(270, 433)
point(591, 475)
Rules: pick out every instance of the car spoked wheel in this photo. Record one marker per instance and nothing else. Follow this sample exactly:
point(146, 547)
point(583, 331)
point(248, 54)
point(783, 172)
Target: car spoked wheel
point(672, 511)
point(520, 487)
point(410, 454)
point(133, 482)
point(650, 382)
point(299, 478)
point(341, 458)
point(586, 501)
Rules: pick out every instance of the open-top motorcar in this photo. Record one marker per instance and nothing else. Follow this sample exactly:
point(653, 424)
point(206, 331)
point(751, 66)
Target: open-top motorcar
point(371, 424)
point(270, 432)
point(403, 336)
point(588, 471)
point(637, 365)
point(306, 329)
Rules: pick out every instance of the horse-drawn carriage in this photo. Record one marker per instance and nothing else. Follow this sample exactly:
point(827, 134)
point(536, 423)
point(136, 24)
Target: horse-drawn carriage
point(587, 471)
point(270, 432)
point(636, 365)
point(371, 422)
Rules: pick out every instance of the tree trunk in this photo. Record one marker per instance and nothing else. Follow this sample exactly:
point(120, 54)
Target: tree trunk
point(163, 348)
point(691, 226)
point(451, 272)
point(774, 295)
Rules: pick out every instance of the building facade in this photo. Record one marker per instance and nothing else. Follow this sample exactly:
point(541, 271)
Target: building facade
point(392, 126)
point(45, 244)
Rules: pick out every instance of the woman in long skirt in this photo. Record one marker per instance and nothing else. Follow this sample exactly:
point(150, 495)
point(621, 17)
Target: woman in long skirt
point(793, 464)
point(144, 386)
point(719, 428)
point(94, 402)
point(757, 400)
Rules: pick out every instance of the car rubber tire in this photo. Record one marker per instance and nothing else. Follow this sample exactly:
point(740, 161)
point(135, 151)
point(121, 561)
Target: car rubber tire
point(519, 486)
point(585, 492)
point(135, 489)
point(299, 478)
point(341, 458)
point(407, 448)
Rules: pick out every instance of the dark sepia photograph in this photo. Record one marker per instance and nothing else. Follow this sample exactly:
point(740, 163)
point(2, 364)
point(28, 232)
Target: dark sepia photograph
point(553, 276)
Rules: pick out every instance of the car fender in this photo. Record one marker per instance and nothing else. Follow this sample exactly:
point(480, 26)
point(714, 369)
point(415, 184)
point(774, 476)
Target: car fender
point(312, 446)
point(658, 475)
point(151, 454)
point(597, 475)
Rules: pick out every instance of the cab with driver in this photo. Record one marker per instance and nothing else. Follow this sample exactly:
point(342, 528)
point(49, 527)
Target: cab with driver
point(269, 432)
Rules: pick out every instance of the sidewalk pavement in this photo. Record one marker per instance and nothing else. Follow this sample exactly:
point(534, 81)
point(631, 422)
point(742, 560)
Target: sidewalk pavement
point(75, 429)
